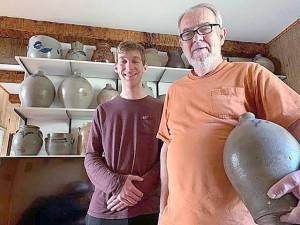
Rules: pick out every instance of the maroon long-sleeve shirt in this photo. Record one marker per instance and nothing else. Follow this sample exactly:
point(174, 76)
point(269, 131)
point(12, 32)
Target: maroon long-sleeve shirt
point(124, 133)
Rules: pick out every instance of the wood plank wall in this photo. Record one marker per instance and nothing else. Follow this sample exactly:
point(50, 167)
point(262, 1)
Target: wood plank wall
point(8, 119)
point(286, 48)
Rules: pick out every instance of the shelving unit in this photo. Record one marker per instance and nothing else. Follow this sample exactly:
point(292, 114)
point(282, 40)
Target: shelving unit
point(159, 77)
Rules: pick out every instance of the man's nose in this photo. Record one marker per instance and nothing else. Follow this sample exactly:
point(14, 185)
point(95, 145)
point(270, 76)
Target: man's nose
point(129, 65)
point(198, 37)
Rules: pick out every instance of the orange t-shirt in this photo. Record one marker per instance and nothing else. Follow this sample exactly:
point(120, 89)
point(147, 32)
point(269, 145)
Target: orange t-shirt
point(199, 113)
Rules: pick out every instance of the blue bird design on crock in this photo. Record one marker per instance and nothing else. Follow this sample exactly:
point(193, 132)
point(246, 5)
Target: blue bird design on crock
point(38, 45)
point(45, 50)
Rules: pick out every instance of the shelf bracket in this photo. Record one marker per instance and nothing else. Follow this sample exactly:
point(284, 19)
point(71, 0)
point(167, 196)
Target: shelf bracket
point(70, 120)
point(23, 65)
point(21, 115)
point(71, 67)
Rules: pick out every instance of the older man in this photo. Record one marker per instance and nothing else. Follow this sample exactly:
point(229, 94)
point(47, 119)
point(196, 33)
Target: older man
point(200, 111)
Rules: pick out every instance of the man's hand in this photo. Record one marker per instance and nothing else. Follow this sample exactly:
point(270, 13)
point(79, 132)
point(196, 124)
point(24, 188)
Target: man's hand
point(128, 196)
point(288, 184)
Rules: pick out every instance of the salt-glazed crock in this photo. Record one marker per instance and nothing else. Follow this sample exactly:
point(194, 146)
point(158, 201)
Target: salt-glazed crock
point(76, 52)
point(28, 140)
point(257, 154)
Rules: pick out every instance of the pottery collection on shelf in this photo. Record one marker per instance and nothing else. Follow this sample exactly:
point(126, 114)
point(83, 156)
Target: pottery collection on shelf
point(257, 154)
point(73, 91)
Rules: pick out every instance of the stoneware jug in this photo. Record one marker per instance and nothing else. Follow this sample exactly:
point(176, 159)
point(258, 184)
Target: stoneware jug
point(28, 140)
point(264, 61)
point(76, 52)
point(37, 91)
point(152, 57)
point(83, 134)
point(75, 92)
point(257, 154)
point(106, 94)
point(174, 59)
point(103, 53)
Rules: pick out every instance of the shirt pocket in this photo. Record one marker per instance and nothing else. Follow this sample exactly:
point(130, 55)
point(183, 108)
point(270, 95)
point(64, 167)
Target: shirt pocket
point(147, 124)
point(228, 102)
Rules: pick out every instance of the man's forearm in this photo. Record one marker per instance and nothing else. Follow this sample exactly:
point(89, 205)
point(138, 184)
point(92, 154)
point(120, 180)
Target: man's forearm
point(101, 176)
point(163, 177)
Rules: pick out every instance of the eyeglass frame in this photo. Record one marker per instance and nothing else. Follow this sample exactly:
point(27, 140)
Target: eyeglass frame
point(196, 31)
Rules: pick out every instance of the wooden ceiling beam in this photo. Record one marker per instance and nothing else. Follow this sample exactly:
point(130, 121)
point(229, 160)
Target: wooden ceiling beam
point(11, 76)
point(23, 29)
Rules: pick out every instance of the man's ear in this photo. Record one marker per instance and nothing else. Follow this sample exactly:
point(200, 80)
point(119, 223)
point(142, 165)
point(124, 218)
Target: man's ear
point(223, 33)
point(145, 67)
point(115, 68)
point(180, 43)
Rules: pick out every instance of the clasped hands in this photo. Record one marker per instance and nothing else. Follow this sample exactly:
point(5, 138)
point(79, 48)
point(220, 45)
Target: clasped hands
point(128, 196)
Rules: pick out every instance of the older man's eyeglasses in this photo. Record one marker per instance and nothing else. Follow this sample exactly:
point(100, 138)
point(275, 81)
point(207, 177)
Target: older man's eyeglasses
point(203, 30)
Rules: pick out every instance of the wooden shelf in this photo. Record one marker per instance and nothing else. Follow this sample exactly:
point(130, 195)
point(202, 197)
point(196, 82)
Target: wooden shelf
point(62, 67)
point(38, 113)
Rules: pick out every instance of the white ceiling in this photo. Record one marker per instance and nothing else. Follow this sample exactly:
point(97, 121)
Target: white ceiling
point(253, 21)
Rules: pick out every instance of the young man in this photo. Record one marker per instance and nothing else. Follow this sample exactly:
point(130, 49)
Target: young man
point(200, 111)
point(123, 130)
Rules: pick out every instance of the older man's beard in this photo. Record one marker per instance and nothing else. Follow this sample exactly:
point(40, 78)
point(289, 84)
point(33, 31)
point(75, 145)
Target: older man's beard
point(204, 63)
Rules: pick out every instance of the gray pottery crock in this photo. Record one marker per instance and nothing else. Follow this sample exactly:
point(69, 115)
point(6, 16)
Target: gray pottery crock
point(106, 94)
point(152, 57)
point(76, 52)
point(265, 62)
point(59, 144)
point(37, 90)
point(174, 59)
point(41, 46)
point(28, 140)
point(75, 92)
point(83, 134)
point(257, 154)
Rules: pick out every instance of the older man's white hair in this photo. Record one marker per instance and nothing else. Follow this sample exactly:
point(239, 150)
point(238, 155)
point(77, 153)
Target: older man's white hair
point(211, 7)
